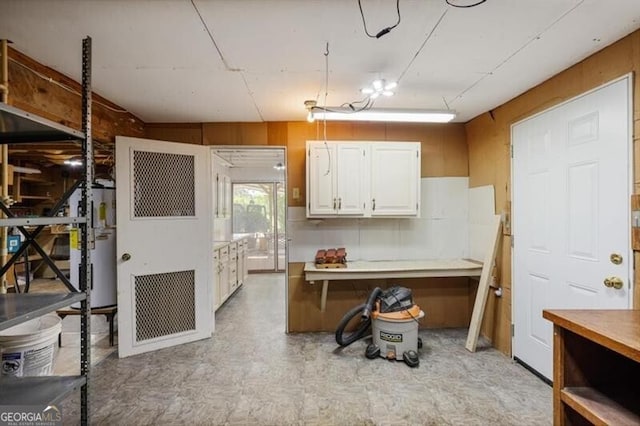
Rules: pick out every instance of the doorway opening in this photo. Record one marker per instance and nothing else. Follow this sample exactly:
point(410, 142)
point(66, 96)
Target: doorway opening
point(259, 215)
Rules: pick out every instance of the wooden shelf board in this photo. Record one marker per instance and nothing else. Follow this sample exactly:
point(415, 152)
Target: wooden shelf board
point(35, 197)
point(598, 408)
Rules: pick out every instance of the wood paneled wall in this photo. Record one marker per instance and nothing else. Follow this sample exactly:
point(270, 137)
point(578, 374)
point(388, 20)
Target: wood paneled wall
point(488, 138)
point(40, 90)
point(444, 146)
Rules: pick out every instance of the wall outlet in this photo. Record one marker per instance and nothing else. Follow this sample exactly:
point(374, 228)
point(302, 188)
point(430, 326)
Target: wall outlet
point(296, 193)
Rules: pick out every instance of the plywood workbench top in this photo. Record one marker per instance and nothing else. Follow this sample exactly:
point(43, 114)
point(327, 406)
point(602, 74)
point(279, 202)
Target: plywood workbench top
point(432, 267)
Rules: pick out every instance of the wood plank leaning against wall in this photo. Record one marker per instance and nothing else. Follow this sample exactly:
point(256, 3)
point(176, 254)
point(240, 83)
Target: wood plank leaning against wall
point(38, 89)
point(488, 138)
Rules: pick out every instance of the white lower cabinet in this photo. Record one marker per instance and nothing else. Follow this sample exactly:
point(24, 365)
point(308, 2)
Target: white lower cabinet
point(229, 266)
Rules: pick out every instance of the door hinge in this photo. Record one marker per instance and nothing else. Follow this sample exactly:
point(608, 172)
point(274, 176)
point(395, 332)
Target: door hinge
point(363, 153)
point(417, 154)
point(513, 330)
point(309, 153)
point(512, 238)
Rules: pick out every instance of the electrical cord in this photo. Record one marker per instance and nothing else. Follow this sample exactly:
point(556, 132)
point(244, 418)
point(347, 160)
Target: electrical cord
point(465, 6)
point(326, 93)
point(405, 310)
point(384, 30)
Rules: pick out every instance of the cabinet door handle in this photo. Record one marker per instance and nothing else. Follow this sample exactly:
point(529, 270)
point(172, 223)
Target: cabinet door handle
point(340, 203)
point(334, 204)
point(373, 204)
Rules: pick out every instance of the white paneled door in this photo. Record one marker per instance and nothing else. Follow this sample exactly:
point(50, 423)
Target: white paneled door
point(163, 244)
point(571, 220)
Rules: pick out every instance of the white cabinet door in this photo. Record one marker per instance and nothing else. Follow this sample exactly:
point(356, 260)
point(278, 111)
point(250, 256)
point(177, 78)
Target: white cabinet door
point(227, 196)
point(395, 174)
point(222, 195)
point(216, 280)
point(221, 188)
point(337, 176)
point(241, 261)
point(245, 263)
point(233, 266)
point(351, 172)
point(321, 179)
point(225, 290)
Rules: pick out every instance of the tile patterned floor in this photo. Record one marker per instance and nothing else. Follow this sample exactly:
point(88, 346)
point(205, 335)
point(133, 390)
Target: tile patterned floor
point(252, 373)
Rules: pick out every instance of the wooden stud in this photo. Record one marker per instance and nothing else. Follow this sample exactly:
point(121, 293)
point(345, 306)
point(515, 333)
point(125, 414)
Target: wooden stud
point(635, 227)
point(483, 288)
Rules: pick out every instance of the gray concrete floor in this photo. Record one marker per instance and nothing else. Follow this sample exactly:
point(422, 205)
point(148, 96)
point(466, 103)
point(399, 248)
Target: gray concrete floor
point(252, 373)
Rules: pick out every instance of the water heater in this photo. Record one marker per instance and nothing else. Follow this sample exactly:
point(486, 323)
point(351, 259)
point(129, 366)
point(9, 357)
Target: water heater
point(103, 254)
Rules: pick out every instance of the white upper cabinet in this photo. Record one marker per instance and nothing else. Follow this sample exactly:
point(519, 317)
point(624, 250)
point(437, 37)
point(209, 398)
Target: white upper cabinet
point(221, 188)
point(342, 178)
point(395, 179)
point(336, 179)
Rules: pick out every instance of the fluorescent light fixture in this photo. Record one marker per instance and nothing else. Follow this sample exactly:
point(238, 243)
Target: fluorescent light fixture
point(399, 115)
point(73, 163)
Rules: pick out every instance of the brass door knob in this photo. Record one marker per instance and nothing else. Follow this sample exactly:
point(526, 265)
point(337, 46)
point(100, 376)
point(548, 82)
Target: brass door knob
point(614, 282)
point(615, 258)
point(126, 257)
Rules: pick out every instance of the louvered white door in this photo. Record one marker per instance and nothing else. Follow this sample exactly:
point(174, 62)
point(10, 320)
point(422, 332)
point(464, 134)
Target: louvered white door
point(571, 190)
point(163, 244)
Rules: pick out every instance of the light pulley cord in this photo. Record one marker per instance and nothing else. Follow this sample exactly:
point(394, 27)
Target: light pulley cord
point(384, 30)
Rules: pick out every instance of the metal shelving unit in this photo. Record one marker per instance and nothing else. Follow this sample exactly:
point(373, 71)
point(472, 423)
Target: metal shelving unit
point(17, 126)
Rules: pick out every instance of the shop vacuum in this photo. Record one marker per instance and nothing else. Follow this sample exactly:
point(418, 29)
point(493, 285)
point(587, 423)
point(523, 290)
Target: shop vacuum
point(393, 318)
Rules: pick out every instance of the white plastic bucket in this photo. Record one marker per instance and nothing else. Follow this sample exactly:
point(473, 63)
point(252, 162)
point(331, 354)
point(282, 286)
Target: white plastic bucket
point(30, 348)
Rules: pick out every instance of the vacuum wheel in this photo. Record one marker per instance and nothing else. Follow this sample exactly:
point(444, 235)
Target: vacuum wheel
point(372, 351)
point(419, 342)
point(411, 358)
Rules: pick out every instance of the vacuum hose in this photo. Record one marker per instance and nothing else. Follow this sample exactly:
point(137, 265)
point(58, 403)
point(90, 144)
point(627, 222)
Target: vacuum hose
point(364, 310)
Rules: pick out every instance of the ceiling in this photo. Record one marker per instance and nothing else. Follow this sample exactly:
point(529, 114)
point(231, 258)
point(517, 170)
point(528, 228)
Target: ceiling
point(259, 60)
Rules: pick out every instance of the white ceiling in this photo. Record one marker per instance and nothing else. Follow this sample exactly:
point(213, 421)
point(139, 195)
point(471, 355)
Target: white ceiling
point(157, 59)
point(255, 157)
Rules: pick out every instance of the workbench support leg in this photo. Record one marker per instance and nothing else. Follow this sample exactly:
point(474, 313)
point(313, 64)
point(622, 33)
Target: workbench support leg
point(323, 299)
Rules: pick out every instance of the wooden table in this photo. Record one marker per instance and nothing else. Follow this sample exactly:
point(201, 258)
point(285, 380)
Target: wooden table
point(109, 312)
point(596, 366)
